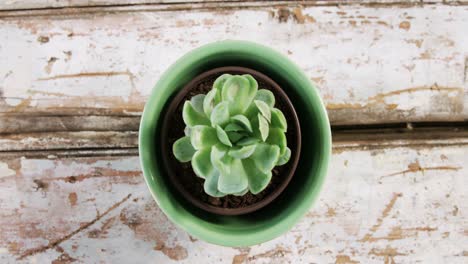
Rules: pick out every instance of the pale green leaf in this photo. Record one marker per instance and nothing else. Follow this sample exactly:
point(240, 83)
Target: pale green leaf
point(265, 156)
point(265, 96)
point(203, 137)
point(201, 163)
point(242, 121)
point(242, 152)
point(258, 180)
point(255, 126)
point(278, 120)
point(219, 158)
point(233, 127)
point(239, 92)
point(277, 137)
point(233, 87)
point(209, 102)
point(262, 95)
point(264, 109)
point(211, 185)
point(241, 193)
point(218, 85)
point(220, 114)
point(253, 83)
point(263, 127)
point(251, 113)
point(187, 131)
point(222, 136)
point(192, 117)
point(197, 102)
point(247, 141)
point(183, 149)
point(235, 181)
point(283, 159)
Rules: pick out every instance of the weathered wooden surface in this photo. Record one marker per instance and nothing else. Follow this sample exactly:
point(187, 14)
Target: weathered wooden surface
point(32, 4)
point(74, 77)
point(373, 64)
point(96, 140)
point(397, 205)
point(36, 4)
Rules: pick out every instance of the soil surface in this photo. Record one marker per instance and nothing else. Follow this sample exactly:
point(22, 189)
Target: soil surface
point(193, 184)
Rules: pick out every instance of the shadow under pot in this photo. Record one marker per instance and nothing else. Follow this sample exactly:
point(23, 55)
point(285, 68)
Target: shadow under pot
point(181, 174)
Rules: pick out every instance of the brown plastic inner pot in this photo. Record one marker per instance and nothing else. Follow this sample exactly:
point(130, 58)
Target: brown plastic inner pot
point(181, 175)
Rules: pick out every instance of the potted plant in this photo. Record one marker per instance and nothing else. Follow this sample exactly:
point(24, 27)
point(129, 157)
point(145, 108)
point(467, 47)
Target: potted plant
point(230, 125)
point(220, 143)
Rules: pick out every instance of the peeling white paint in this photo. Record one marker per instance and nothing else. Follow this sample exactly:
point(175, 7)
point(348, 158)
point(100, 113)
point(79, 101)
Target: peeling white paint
point(5, 171)
point(366, 66)
point(421, 220)
point(401, 205)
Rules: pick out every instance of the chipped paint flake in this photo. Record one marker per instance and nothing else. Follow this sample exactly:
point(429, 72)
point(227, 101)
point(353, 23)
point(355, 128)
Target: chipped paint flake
point(5, 171)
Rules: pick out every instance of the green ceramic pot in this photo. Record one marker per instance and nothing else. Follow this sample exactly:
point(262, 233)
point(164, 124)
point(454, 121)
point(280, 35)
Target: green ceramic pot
point(280, 215)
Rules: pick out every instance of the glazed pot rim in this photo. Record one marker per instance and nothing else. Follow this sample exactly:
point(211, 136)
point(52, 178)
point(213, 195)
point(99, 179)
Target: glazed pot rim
point(166, 150)
point(222, 230)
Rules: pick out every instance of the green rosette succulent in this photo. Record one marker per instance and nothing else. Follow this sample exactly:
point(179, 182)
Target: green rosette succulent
point(234, 136)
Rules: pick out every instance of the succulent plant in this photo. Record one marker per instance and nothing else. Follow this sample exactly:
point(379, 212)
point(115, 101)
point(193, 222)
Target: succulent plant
point(234, 136)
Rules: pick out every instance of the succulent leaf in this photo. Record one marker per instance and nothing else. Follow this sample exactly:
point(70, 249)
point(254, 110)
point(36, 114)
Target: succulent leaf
point(233, 127)
point(247, 141)
point(218, 85)
point(242, 121)
point(223, 137)
point(219, 159)
point(209, 102)
point(234, 136)
point(197, 103)
point(210, 186)
point(262, 95)
point(203, 137)
point(283, 159)
point(242, 152)
point(192, 117)
point(266, 156)
point(258, 180)
point(277, 137)
point(278, 120)
point(266, 96)
point(264, 109)
point(183, 149)
point(220, 114)
point(263, 127)
point(238, 91)
point(187, 131)
point(242, 192)
point(201, 163)
point(253, 83)
point(236, 180)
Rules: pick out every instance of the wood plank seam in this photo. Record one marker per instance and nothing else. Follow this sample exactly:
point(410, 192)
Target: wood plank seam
point(154, 7)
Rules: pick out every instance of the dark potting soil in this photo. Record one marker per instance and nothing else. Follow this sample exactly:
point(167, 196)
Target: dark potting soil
point(193, 184)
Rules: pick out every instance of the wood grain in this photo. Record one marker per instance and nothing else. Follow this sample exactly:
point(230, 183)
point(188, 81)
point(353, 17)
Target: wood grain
point(403, 204)
point(373, 64)
point(41, 4)
point(343, 137)
point(69, 140)
point(50, 123)
point(75, 75)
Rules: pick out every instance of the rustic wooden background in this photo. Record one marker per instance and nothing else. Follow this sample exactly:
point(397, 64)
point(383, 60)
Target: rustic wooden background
point(74, 77)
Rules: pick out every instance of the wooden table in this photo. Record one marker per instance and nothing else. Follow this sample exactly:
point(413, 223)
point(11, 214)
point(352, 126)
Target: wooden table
point(74, 77)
